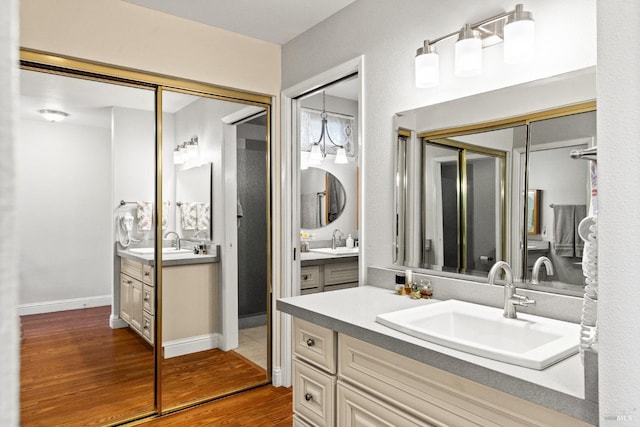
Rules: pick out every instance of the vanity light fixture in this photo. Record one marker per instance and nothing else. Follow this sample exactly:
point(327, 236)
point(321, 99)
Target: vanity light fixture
point(319, 148)
point(178, 159)
point(53, 116)
point(516, 28)
point(192, 148)
point(186, 151)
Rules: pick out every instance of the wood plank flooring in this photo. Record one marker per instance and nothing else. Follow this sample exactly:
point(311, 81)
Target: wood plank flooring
point(76, 370)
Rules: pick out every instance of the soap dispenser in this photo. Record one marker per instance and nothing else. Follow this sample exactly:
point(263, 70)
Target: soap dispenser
point(350, 243)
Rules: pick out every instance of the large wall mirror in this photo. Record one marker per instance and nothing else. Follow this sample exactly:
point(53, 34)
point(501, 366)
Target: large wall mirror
point(147, 291)
point(502, 187)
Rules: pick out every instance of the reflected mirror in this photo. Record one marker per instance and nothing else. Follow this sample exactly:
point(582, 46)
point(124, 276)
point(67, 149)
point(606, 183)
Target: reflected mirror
point(322, 198)
point(193, 201)
point(86, 186)
point(461, 208)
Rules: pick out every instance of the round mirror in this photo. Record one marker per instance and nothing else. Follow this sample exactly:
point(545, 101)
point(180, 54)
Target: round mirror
point(322, 198)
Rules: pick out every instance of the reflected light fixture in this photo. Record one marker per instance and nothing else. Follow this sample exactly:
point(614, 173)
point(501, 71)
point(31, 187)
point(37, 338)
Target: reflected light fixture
point(516, 28)
point(53, 115)
point(319, 147)
point(186, 151)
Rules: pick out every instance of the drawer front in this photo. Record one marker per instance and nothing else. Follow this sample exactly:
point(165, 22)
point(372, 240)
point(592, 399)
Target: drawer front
point(313, 394)
point(354, 408)
point(315, 344)
point(309, 291)
point(299, 422)
point(131, 268)
point(147, 274)
point(148, 296)
point(452, 400)
point(310, 277)
point(146, 328)
point(342, 272)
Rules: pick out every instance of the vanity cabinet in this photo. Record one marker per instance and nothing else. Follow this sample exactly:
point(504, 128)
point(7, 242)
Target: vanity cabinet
point(368, 385)
point(328, 276)
point(137, 297)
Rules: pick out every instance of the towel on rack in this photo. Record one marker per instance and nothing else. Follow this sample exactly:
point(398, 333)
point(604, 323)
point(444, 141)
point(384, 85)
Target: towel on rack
point(567, 241)
point(203, 210)
point(309, 210)
point(144, 216)
point(189, 215)
point(336, 196)
point(165, 212)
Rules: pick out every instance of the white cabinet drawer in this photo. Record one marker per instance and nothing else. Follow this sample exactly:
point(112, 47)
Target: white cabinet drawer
point(146, 328)
point(355, 409)
point(341, 272)
point(313, 394)
point(310, 277)
point(148, 296)
point(315, 344)
point(299, 422)
point(131, 268)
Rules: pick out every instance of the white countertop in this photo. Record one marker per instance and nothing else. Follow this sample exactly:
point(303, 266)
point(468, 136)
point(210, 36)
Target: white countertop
point(312, 256)
point(353, 312)
point(169, 260)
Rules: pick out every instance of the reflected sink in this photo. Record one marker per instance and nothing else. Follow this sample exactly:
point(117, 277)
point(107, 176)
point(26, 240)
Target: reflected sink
point(337, 251)
point(530, 341)
point(164, 251)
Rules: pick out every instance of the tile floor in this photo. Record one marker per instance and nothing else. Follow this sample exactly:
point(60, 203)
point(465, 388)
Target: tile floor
point(252, 344)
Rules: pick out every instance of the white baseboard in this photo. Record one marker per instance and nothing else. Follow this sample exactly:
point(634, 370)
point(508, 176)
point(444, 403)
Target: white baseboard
point(63, 305)
point(190, 345)
point(115, 322)
point(276, 377)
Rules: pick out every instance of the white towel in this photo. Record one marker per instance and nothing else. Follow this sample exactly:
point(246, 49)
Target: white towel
point(145, 216)
point(203, 212)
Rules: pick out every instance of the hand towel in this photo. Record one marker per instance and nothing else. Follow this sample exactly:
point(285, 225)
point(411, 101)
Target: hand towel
point(189, 215)
point(165, 212)
point(203, 212)
point(566, 218)
point(144, 216)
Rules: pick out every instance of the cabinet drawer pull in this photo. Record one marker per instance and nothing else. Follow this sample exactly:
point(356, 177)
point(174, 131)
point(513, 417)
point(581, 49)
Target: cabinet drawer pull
point(305, 277)
point(310, 342)
point(146, 273)
point(146, 326)
point(146, 298)
point(128, 282)
point(308, 397)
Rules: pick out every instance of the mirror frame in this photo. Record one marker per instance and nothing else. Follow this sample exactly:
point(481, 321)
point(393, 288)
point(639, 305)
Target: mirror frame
point(402, 186)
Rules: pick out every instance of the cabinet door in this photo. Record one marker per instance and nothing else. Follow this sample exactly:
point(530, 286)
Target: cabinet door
point(136, 305)
point(125, 298)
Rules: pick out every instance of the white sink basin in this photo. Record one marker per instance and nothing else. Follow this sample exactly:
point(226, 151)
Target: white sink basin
point(164, 250)
point(336, 251)
point(530, 341)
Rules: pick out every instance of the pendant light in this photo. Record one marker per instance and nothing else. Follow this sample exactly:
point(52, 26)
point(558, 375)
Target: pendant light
point(427, 64)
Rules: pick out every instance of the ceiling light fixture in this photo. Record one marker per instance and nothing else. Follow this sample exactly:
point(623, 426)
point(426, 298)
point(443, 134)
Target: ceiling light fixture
point(319, 148)
point(515, 28)
point(53, 115)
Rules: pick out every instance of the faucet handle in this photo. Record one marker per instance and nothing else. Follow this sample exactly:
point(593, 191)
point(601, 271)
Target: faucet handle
point(523, 300)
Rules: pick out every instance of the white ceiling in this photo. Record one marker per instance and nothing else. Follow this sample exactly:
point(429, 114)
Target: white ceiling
point(275, 21)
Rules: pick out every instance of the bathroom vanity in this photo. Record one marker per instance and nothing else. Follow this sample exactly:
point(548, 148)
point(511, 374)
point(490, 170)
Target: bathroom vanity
point(190, 299)
point(347, 367)
point(324, 272)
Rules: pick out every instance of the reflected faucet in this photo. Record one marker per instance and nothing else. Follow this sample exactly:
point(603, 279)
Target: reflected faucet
point(177, 244)
point(536, 269)
point(335, 241)
point(511, 299)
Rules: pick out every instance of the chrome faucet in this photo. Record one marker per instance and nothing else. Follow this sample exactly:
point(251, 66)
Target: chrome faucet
point(335, 241)
point(536, 269)
point(511, 299)
point(177, 238)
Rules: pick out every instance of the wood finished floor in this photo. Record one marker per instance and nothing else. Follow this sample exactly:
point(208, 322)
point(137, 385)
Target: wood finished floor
point(76, 370)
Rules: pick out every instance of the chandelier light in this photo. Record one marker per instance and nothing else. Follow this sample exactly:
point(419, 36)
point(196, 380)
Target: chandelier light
point(516, 28)
point(319, 147)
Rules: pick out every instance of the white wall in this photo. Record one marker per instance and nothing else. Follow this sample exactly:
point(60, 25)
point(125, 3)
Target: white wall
point(388, 36)
point(619, 204)
point(63, 186)
point(9, 350)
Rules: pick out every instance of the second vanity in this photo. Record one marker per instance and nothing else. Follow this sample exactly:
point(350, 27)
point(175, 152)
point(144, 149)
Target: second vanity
point(190, 299)
point(320, 272)
point(347, 367)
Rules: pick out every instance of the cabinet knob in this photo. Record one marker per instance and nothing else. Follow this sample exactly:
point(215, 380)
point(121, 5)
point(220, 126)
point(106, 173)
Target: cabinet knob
point(129, 282)
point(308, 397)
point(305, 277)
point(146, 298)
point(310, 342)
point(146, 273)
point(146, 326)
